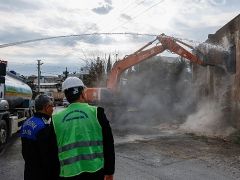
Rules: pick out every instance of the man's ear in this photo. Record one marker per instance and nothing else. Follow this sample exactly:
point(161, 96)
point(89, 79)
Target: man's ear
point(83, 95)
point(46, 108)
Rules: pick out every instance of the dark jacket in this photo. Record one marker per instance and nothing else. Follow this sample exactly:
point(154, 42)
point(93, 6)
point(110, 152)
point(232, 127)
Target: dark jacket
point(108, 150)
point(39, 152)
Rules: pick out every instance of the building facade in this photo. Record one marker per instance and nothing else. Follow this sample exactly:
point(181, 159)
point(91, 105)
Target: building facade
point(221, 83)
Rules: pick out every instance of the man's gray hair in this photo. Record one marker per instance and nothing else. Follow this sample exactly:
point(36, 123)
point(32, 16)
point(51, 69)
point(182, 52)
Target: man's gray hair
point(41, 101)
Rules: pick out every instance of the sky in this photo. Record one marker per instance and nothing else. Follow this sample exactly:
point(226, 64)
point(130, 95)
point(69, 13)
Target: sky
point(21, 20)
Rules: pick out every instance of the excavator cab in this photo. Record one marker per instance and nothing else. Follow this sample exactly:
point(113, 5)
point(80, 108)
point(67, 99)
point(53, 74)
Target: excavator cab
point(99, 96)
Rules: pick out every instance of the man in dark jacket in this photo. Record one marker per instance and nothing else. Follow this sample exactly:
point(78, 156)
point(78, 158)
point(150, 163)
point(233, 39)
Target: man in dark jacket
point(84, 137)
point(38, 143)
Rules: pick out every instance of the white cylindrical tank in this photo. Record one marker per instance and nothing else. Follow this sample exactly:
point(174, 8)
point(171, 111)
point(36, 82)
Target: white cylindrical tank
point(17, 93)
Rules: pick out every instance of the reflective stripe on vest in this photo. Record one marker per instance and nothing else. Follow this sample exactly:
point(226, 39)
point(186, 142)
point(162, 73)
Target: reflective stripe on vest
point(81, 157)
point(79, 144)
point(79, 138)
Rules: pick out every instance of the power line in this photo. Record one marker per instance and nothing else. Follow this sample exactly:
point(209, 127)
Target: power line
point(133, 7)
point(73, 35)
point(147, 9)
point(142, 12)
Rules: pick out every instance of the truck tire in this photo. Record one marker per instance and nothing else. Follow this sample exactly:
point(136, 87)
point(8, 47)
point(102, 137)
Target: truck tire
point(3, 134)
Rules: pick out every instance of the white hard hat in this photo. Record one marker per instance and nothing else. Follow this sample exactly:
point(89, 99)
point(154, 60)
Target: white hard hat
point(72, 82)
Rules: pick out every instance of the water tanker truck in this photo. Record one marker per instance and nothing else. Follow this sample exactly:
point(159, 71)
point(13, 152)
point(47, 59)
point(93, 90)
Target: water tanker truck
point(15, 103)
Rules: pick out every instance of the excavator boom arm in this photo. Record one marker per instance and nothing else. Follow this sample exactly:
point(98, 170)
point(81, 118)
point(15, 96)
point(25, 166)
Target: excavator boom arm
point(94, 95)
point(167, 43)
point(129, 61)
point(172, 45)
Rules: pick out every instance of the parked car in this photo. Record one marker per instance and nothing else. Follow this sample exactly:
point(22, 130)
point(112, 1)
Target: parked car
point(65, 102)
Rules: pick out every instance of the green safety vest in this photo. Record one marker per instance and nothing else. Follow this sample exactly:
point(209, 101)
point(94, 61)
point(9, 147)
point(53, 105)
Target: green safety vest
point(79, 139)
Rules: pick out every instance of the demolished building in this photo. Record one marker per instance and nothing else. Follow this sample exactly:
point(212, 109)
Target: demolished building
point(221, 83)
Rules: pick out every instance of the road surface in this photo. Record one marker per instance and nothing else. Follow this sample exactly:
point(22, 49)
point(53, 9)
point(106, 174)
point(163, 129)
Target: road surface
point(165, 155)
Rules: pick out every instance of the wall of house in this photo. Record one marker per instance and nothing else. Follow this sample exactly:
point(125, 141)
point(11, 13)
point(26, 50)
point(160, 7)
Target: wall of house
point(221, 83)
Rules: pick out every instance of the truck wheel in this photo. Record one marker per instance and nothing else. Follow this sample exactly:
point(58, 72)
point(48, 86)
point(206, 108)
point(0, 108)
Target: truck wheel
point(3, 134)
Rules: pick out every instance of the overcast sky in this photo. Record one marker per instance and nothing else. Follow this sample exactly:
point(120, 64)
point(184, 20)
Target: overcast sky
point(32, 19)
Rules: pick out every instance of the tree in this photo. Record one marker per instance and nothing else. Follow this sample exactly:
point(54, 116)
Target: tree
point(109, 65)
point(96, 75)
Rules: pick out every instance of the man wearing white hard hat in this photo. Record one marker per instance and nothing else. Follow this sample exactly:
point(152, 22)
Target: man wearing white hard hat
point(84, 137)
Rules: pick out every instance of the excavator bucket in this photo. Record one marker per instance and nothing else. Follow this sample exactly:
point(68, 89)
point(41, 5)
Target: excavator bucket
point(217, 56)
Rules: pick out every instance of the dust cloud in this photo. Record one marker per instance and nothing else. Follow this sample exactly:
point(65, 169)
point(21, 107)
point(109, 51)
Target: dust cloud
point(161, 95)
point(158, 94)
point(224, 46)
point(208, 121)
point(213, 115)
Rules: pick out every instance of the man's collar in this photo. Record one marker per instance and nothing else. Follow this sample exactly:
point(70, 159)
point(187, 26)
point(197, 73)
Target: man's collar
point(44, 117)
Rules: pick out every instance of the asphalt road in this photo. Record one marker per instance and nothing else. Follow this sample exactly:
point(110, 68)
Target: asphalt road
point(144, 157)
point(166, 155)
point(148, 159)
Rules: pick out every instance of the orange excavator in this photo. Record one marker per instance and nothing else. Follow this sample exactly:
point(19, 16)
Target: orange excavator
point(104, 95)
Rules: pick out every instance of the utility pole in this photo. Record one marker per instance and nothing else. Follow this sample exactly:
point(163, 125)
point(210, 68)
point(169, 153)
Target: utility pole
point(66, 73)
point(39, 73)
